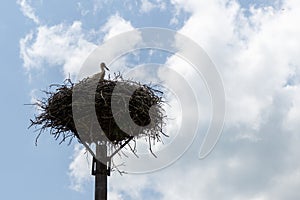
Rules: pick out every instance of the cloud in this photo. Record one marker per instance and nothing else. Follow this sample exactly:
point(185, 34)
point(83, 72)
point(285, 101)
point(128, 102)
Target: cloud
point(115, 25)
point(79, 168)
point(242, 48)
point(254, 55)
point(27, 10)
point(69, 45)
point(257, 156)
point(256, 52)
point(58, 45)
point(147, 6)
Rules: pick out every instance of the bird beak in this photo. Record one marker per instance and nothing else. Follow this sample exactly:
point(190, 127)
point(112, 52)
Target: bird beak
point(106, 68)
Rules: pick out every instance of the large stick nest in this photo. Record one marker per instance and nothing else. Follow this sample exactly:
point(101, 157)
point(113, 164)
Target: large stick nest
point(68, 111)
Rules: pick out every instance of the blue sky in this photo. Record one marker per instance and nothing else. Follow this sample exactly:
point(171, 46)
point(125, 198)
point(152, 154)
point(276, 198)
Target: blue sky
point(255, 49)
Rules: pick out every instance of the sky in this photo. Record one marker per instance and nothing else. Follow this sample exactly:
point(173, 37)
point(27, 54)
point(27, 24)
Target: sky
point(253, 44)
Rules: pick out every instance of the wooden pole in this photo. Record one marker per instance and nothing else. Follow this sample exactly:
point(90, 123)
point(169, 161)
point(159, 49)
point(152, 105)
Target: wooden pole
point(100, 172)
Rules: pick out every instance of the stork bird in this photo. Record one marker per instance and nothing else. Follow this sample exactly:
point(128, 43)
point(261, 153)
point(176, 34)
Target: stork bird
point(102, 73)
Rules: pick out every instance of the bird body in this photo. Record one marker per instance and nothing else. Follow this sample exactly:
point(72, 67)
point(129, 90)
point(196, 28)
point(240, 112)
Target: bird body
point(102, 73)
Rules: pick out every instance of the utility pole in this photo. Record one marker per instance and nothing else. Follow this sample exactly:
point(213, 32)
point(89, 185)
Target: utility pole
point(100, 170)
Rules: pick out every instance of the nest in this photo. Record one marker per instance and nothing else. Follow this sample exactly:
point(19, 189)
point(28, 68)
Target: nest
point(93, 111)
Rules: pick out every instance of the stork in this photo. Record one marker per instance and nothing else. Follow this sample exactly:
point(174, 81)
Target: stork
point(102, 73)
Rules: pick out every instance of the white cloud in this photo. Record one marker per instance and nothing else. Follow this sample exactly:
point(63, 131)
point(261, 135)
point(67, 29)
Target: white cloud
point(292, 119)
point(80, 168)
point(69, 46)
point(63, 45)
point(147, 6)
point(114, 196)
point(115, 25)
point(27, 10)
point(257, 157)
point(245, 64)
point(254, 55)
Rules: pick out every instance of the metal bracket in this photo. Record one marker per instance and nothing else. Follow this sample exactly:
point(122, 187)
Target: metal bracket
point(96, 170)
point(107, 170)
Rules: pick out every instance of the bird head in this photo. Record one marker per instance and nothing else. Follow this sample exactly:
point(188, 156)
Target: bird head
point(103, 66)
